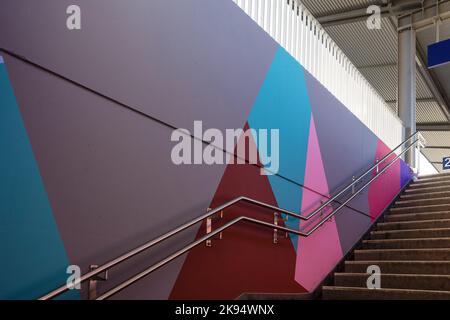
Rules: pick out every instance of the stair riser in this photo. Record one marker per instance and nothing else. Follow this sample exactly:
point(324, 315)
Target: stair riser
point(352, 294)
point(401, 268)
point(427, 184)
point(435, 175)
point(416, 216)
point(426, 190)
point(411, 234)
point(407, 244)
point(420, 209)
point(396, 281)
point(424, 180)
point(407, 255)
point(414, 225)
point(423, 202)
point(424, 196)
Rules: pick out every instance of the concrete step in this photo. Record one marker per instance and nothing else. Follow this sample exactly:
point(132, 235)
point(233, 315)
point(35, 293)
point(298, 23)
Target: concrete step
point(349, 293)
point(421, 209)
point(444, 188)
point(411, 234)
point(434, 175)
point(423, 243)
point(420, 224)
point(421, 202)
point(443, 180)
point(425, 195)
point(427, 184)
point(417, 216)
point(400, 267)
point(435, 254)
point(395, 281)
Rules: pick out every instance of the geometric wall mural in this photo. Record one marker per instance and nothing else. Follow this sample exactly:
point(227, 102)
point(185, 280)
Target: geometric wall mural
point(293, 101)
point(83, 179)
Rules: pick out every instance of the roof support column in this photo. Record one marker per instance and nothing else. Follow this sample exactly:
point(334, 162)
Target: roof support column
point(407, 86)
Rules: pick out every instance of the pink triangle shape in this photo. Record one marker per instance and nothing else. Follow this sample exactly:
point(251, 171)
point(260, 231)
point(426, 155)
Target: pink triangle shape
point(321, 251)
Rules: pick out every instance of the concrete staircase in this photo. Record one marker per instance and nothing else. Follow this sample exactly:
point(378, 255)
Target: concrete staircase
point(411, 246)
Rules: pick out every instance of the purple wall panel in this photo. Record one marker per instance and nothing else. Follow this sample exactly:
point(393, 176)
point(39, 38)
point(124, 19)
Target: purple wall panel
point(108, 173)
point(174, 60)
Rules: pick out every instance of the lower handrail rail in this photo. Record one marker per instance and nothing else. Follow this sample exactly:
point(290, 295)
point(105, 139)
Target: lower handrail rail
point(194, 244)
point(222, 207)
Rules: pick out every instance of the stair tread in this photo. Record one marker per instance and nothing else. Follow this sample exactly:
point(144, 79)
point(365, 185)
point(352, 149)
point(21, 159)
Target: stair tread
point(413, 221)
point(431, 233)
point(397, 262)
point(417, 207)
point(418, 184)
point(402, 275)
point(407, 249)
point(430, 180)
point(387, 291)
point(409, 230)
point(417, 213)
point(406, 239)
point(420, 200)
point(432, 175)
point(424, 190)
point(384, 289)
point(424, 195)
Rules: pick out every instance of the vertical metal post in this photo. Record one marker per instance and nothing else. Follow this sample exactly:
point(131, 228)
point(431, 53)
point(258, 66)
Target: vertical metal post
point(286, 234)
point(275, 231)
point(221, 217)
point(407, 86)
point(378, 167)
point(208, 229)
point(353, 186)
point(92, 285)
point(418, 156)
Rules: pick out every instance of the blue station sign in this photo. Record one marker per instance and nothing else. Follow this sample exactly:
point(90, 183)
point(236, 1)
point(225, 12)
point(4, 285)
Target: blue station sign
point(446, 163)
point(438, 53)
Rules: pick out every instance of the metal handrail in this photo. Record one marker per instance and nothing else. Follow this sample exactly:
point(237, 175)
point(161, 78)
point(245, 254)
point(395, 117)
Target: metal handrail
point(194, 244)
point(110, 264)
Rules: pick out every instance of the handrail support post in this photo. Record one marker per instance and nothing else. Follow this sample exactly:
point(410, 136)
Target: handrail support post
point(275, 231)
point(92, 285)
point(221, 233)
point(353, 186)
point(208, 242)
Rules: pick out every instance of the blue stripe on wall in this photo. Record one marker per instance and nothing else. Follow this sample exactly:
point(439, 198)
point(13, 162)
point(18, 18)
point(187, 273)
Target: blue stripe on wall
point(283, 104)
point(33, 259)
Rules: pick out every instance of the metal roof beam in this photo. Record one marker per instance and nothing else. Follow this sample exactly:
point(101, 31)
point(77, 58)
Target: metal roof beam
point(375, 66)
point(417, 100)
point(350, 16)
point(433, 126)
point(436, 147)
point(431, 12)
point(394, 7)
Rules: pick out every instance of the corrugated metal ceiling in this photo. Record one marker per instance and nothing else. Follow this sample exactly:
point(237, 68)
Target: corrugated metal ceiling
point(374, 52)
point(320, 8)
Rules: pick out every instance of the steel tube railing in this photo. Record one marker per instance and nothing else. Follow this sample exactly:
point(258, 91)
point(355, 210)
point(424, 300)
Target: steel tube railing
point(194, 244)
point(228, 204)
